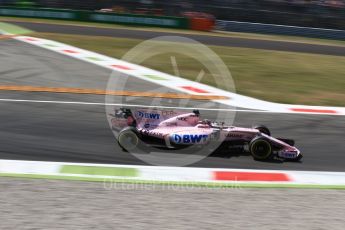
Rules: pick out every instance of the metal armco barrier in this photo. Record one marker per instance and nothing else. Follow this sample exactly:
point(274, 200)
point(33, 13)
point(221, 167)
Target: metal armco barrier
point(247, 27)
point(91, 16)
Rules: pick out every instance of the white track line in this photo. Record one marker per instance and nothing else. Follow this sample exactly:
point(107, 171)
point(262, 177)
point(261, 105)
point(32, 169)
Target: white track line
point(177, 83)
point(145, 106)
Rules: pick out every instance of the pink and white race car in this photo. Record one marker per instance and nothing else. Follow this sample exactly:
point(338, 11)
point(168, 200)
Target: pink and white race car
point(179, 130)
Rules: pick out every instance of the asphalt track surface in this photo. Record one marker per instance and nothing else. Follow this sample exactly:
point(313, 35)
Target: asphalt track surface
point(80, 133)
point(208, 40)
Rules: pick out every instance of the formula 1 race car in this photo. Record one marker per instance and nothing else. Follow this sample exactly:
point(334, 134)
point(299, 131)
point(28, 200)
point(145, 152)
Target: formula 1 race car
point(178, 130)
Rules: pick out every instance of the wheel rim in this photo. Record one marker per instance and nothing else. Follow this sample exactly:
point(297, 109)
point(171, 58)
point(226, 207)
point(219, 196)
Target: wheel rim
point(128, 140)
point(261, 149)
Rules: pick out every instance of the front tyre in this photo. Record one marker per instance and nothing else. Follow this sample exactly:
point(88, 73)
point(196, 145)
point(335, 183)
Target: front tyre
point(263, 129)
point(128, 139)
point(260, 148)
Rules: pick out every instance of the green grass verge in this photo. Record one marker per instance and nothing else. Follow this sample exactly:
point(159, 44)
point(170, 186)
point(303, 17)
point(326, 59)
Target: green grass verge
point(182, 31)
point(99, 171)
point(229, 185)
point(284, 77)
point(13, 29)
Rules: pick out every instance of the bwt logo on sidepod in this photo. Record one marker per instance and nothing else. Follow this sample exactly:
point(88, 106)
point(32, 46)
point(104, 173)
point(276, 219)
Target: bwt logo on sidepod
point(189, 138)
point(155, 116)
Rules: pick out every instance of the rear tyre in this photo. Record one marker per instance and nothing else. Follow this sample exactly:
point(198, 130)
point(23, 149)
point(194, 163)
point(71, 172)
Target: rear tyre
point(260, 148)
point(128, 139)
point(263, 129)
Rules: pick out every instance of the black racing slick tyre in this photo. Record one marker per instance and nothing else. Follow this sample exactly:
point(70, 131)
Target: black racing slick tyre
point(260, 148)
point(263, 129)
point(128, 139)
